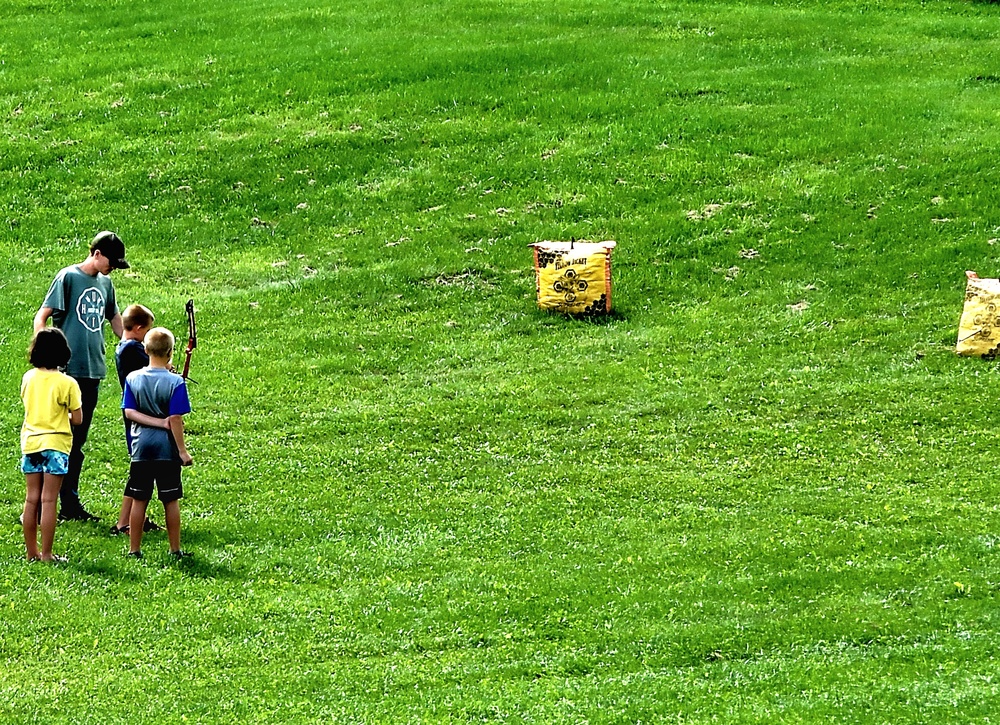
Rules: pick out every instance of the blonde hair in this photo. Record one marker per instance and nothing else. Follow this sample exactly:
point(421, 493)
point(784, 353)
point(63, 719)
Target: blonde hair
point(159, 342)
point(137, 316)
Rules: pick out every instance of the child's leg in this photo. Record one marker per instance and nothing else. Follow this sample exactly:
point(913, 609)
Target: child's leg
point(32, 501)
point(172, 514)
point(125, 514)
point(50, 495)
point(135, 520)
point(140, 489)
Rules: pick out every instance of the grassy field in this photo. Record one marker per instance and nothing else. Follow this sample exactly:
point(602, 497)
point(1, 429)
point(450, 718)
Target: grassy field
point(761, 491)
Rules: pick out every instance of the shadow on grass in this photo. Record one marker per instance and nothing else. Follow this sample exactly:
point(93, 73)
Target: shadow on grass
point(540, 321)
point(198, 567)
point(206, 548)
point(135, 571)
point(209, 559)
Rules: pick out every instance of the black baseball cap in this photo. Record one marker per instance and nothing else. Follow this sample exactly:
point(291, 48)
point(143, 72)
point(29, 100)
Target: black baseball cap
point(108, 244)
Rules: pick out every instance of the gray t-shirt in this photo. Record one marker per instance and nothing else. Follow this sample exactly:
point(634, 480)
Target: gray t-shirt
point(80, 305)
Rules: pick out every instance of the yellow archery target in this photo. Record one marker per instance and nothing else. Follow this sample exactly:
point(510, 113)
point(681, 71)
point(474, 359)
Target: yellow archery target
point(979, 328)
point(574, 277)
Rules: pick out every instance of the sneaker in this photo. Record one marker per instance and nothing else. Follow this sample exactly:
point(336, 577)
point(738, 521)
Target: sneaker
point(150, 526)
point(116, 530)
point(181, 555)
point(78, 515)
point(134, 555)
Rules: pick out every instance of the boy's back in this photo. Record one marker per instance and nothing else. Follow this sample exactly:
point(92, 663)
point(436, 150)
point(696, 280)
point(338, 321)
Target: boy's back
point(161, 394)
point(157, 453)
point(130, 356)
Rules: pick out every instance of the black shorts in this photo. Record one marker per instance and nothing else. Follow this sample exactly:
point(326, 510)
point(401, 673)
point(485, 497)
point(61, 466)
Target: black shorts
point(165, 474)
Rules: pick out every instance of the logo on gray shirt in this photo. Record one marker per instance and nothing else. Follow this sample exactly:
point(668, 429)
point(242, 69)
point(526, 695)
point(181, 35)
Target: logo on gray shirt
point(90, 309)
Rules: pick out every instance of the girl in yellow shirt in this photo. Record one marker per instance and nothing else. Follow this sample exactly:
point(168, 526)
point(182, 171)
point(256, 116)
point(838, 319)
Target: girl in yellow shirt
point(52, 403)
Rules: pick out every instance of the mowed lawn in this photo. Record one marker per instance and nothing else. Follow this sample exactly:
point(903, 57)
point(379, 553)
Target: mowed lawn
point(761, 490)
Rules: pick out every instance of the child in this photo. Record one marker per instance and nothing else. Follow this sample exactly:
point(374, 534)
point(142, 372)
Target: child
point(157, 454)
point(130, 356)
point(52, 402)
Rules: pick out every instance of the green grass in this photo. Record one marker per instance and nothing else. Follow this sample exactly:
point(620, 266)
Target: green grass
point(417, 498)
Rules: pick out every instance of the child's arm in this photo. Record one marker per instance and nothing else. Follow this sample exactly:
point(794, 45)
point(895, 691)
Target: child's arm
point(73, 402)
point(149, 421)
point(132, 412)
point(41, 317)
point(176, 423)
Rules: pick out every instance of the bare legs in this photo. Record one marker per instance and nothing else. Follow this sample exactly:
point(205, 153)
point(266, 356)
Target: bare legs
point(137, 518)
point(42, 491)
point(172, 514)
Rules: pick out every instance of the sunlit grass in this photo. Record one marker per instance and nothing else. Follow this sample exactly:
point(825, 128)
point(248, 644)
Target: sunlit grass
point(760, 491)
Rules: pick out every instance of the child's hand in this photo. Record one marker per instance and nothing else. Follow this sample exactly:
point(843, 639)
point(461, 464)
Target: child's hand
point(186, 459)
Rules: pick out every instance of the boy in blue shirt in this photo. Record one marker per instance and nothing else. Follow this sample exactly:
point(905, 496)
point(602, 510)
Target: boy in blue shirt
point(130, 356)
point(157, 453)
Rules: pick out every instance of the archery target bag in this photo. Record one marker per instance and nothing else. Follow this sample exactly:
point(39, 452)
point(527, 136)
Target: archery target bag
point(574, 277)
point(979, 327)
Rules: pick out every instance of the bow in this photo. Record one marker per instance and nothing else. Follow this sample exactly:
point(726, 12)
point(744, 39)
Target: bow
point(192, 339)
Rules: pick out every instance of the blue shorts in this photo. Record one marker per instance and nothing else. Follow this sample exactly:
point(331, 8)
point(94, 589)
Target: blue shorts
point(55, 463)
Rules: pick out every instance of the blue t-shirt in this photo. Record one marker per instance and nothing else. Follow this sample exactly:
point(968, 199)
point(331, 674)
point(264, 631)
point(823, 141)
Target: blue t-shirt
point(159, 393)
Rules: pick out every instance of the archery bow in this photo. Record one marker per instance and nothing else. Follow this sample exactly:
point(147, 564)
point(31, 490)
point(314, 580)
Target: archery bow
point(192, 339)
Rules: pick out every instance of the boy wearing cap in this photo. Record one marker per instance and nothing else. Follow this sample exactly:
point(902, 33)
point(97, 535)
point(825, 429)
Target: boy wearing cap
point(79, 301)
